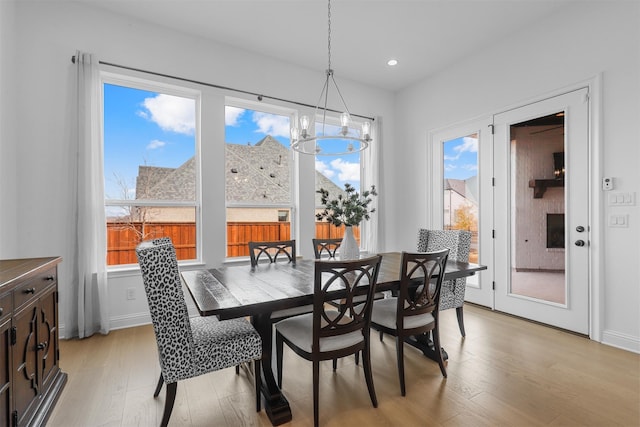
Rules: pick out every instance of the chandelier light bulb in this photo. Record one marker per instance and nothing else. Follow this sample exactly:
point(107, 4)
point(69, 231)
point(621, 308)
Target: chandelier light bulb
point(366, 130)
point(304, 123)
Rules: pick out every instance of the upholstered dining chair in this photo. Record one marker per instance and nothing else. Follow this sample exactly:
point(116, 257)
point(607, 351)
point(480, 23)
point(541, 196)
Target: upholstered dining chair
point(327, 333)
point(189, 347)
point(325, 247)
point(459, 243)
point(415, 309)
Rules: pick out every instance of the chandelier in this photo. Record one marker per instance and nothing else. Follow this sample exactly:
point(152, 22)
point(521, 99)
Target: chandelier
point(326, 142)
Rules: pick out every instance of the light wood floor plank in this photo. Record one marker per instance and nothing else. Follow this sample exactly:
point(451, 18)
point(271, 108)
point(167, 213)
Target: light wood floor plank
point(506, 372)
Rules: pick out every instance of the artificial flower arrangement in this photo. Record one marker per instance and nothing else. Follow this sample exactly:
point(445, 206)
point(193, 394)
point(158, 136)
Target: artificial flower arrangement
point(349, 209)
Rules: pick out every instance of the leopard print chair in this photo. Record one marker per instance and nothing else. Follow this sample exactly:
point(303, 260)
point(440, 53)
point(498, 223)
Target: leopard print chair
point(189, 347)
point(459, 243)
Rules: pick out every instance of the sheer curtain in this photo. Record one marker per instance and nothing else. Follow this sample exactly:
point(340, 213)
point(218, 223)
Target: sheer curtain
point(372, 177)
point(89, 275)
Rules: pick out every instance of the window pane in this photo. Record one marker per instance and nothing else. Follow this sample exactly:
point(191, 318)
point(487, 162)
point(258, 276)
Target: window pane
point(461, 188)
point(129, 225)
point(149, 155)
point(332, 173)
point(258, 178)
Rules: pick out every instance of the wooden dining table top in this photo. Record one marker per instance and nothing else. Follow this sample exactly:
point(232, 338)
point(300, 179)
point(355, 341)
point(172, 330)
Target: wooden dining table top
point(240, 290)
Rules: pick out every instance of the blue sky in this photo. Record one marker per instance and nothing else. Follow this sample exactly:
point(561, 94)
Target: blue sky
point(461, 157)
point(148, 128)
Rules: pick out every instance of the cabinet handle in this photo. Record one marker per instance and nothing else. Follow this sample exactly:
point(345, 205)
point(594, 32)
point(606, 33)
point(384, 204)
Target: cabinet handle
point(41, 346)
point(50, 278)
point(29, 291)
point(1, 311)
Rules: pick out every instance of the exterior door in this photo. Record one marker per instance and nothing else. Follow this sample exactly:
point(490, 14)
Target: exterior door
point(541, 211)
point(462, 195)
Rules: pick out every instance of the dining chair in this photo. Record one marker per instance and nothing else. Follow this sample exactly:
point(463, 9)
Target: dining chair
point(459, 244)
point(325, 247)
point(414, 311)
point(271, 251)
point(189, 347)
point(329, 248)
point(327, 333)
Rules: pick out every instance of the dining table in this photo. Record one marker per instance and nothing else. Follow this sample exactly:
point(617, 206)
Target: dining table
point(236, 291)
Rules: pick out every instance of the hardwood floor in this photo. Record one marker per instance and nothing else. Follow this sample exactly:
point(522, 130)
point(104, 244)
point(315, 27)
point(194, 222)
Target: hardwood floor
point(506, 372)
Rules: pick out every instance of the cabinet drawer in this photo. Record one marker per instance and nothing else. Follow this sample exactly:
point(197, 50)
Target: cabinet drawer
point(5, 306)
point(26, 291)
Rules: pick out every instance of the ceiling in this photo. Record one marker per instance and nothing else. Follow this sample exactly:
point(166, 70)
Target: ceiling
point(424, 36)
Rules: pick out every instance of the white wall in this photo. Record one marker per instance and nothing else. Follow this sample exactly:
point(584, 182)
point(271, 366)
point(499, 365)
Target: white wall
point(8, 146)
point(47, 33)
point(581, 41)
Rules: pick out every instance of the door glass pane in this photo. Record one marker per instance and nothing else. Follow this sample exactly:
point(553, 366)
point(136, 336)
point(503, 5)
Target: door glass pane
point(538, 209)
point(461, 201)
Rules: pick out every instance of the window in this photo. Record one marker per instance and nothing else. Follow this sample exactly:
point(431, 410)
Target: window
point(333, 172)
point(259, 175)
point(151, 172)
point(461, 188)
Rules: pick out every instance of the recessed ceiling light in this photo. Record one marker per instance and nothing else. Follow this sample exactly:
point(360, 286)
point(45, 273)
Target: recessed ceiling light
point(392, 62)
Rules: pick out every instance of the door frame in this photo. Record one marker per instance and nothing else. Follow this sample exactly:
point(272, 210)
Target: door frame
point(596, 196)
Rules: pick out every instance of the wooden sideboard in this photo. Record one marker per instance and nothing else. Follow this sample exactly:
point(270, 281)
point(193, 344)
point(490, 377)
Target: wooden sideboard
point(30, 377)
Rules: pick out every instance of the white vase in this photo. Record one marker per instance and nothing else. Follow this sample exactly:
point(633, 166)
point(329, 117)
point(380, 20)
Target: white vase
point(349, 248)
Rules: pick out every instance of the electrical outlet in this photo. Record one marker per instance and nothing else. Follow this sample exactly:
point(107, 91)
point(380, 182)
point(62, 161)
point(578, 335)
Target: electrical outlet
point(131, 293)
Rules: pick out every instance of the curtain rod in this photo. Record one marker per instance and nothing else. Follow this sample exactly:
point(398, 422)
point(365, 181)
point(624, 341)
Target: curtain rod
point(259, 96)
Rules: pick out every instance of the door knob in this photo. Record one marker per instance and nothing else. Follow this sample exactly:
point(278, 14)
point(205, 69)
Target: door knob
point(579, 242)
point(579, 229)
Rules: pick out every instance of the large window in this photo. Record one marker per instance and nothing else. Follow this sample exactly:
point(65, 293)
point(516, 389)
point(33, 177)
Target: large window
point(259, 175)
point(150, 167)
point(333, 172)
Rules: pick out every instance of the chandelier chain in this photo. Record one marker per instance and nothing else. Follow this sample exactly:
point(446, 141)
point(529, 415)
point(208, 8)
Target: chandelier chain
point(329, 35)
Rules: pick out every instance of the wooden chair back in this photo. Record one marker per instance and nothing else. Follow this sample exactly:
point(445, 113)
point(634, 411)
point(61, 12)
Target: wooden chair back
point(271, 250)
point(326, 246)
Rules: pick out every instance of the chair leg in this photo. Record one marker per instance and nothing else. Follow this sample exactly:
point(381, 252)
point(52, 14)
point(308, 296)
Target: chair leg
point(435, 334)
point(335, 364)
point(357, 358)
point(279, 350)
point(366, 362)
point(168, 404)
point(381, 336)
point(257, 376)
point(237, 369)
point(460, 320)
point(400, 355)
point(159, 386)
point(316, 392)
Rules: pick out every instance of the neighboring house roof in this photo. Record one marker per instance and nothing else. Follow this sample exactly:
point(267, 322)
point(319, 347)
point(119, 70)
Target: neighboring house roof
point(255, 174)
point(466, 188)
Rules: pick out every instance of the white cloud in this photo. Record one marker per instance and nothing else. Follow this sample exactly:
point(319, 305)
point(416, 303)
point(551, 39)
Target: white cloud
point(171, 113)
point(324, 169)
point(232, 115)
point(347, 171)
point(271, 124)
point(156, 144)
point(469, 145)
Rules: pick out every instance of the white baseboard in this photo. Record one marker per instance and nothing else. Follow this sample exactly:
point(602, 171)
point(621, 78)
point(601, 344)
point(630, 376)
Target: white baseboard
point(120, 322)
point(622, 341)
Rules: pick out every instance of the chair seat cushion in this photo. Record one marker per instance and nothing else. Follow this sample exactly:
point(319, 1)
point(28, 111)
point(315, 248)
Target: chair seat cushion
point(299, 330)
point(384, 314)
point(294, 311)
point(222, 344)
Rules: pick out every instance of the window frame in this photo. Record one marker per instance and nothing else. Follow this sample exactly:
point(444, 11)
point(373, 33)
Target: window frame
point(292, 207)
point(147, 84)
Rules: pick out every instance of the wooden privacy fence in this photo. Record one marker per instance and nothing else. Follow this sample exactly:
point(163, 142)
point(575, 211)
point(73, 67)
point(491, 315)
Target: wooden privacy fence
point(122, 239)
